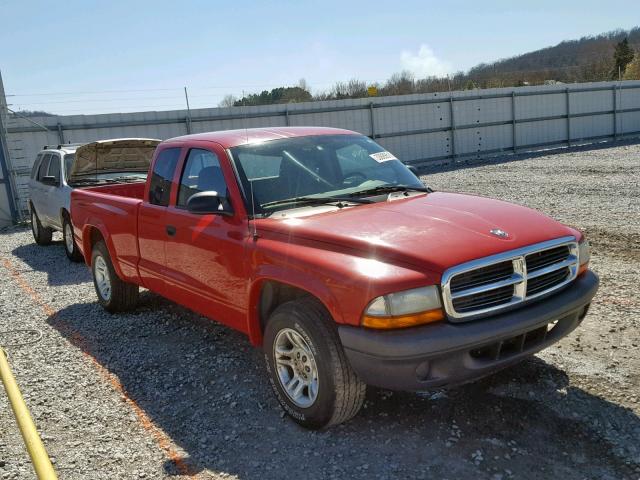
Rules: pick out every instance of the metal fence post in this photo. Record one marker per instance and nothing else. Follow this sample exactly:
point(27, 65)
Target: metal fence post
point(287, 121)
point(615, 112)
point(60, 134)
point(453, 128)
point(5, 161)
point(568, 117)
point(513, 118)
point(372, 120)
point(6, 172)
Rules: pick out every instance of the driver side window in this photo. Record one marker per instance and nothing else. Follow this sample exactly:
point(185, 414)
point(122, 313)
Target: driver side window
point(44, 167)
point(54, 168)
point(202, 173)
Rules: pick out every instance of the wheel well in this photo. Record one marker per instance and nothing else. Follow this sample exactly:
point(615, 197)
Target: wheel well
point(274, 294)
point(94, 237)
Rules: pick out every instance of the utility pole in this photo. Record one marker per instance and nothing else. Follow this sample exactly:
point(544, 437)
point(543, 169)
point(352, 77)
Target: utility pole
point(5, 163)
point(188, 122)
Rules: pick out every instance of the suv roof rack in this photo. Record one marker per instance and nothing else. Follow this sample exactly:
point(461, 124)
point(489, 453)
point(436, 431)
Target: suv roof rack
point(62, 145)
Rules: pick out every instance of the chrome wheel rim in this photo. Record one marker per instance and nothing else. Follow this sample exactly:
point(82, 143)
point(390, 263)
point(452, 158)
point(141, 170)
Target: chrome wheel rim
point(296, 367)
point(34, 221)
point(68, 237)
point(103, 280)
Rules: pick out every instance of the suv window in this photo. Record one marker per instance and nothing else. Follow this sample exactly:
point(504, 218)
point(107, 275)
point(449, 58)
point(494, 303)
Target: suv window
point(202, 173)
point(163, 169)
point(44, 166)
point(36, 165)
point(69, 158)
point(54, 167)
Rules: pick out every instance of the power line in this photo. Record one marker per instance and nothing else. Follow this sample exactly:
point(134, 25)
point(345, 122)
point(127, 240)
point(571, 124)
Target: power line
point(115, 109)
point(99, 100)
point(213, 87)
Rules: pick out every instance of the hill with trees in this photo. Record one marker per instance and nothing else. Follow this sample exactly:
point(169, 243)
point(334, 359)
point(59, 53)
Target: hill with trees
point(588, 59)
point(585, 60)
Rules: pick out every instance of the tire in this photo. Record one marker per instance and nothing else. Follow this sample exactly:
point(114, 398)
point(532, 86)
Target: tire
point(332, 393)
point(113, 294)
point(41, 235)
point(70, 247)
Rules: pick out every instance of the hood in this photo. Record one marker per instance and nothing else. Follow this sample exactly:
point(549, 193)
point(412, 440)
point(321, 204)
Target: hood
point(433, 231)
point(113, 156)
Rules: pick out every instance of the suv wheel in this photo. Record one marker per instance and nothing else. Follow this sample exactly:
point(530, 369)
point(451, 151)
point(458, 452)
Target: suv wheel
point(307, 367)
point(41, 235)
point(70, 247)
point(114, 294)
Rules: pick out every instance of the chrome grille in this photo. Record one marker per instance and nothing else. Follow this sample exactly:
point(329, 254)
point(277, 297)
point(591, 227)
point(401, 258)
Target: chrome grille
point(501, 281)
point(482, 276)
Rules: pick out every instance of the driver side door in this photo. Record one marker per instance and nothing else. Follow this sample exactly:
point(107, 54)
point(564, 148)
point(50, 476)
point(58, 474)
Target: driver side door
point(205, 267)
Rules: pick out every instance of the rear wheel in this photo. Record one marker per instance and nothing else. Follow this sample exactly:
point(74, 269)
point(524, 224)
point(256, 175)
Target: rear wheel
point(307, 366)
point(114, 294)
point(70, 247)
point(41, 235)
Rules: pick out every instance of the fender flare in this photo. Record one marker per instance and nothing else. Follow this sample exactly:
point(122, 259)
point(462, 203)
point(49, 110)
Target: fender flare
point(294, 278)
point(87, 250)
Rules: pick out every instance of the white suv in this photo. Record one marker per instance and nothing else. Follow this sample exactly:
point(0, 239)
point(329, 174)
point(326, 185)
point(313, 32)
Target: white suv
point(50, 196)
point(58, 170)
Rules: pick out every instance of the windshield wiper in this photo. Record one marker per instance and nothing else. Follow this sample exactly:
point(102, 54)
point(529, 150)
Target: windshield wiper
point(93, 181)
point(128, 179)
point(390, 189)
point(317, 201)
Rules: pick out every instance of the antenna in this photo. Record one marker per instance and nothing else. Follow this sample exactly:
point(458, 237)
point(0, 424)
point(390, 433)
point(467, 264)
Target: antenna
point(246, 137)
point(253, 212)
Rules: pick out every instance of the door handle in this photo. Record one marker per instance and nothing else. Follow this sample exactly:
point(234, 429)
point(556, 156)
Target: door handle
point(171, 230)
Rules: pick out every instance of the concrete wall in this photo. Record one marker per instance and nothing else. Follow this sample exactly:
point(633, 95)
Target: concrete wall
point(421, 129)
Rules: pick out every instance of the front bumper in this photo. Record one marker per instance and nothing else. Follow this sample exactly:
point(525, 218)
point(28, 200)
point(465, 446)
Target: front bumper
point(443, 354)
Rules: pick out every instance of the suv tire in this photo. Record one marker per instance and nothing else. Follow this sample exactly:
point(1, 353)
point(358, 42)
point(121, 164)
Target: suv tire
point(41, 235)
point(70, 247)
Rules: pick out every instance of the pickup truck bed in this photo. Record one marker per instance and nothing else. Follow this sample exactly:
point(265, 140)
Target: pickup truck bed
point(113, 210)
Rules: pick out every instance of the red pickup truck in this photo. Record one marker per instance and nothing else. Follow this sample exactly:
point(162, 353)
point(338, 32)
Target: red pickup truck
point(333, 256)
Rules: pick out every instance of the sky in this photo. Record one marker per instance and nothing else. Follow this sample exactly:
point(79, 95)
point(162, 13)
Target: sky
point(81, 57)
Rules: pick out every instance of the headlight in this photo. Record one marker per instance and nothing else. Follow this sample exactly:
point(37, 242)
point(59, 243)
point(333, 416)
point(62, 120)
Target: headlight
point(404, 309)
point(584, 255)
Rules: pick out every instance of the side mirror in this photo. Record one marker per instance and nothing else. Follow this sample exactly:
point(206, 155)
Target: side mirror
point(413, 170)
point(209, 203)
point(50, 181)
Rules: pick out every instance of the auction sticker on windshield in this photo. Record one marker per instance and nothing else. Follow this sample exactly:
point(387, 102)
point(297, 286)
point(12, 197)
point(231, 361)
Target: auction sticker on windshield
point(383, 156)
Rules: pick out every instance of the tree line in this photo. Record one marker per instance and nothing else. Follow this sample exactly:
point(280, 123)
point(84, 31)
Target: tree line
point(609, 56)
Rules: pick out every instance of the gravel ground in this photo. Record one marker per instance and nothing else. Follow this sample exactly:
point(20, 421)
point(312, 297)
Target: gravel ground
point(162, 392)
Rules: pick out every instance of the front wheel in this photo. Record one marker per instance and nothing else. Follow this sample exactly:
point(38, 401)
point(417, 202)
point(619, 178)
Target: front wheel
point(41, 235)
point(70, 247)
point(114, 294)
point(307, 366)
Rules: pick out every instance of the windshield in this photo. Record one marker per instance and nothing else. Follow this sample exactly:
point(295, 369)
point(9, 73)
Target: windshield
point(316, 166)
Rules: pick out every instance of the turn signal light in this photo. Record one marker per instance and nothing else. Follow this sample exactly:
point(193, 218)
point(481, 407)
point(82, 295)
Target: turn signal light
point(402, 321)
point(584, 255)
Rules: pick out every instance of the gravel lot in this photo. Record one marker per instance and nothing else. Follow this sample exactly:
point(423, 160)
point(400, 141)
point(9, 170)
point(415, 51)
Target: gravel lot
point(162, 392)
